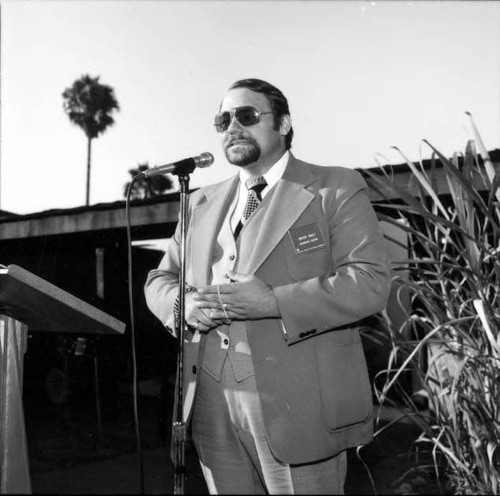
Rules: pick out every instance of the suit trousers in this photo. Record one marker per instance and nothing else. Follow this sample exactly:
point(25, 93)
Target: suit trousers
point(229, 436)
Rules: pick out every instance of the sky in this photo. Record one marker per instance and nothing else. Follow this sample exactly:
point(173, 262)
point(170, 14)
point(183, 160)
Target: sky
point(360, 77)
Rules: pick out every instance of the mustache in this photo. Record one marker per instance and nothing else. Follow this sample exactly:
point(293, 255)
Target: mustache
point(232, 139)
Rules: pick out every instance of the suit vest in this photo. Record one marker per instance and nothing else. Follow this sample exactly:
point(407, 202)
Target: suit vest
point(229, 342)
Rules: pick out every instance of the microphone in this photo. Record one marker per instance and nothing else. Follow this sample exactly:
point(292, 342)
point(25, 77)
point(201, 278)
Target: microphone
point(185, 166)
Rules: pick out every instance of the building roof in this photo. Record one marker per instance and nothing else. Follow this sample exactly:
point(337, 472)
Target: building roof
point(403, 177)
point(6, 215)
point(152, 211)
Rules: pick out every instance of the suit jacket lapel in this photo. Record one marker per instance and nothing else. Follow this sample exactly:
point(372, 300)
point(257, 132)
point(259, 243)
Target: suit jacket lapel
point(206, 221)
point(270, 224)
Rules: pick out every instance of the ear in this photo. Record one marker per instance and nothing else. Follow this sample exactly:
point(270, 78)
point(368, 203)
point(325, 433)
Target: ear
point(285, 124)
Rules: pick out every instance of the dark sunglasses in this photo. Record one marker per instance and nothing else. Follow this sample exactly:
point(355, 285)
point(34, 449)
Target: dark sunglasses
point(246, 116)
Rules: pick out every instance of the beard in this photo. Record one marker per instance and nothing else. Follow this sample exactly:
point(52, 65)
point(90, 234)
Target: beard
point(246, 152)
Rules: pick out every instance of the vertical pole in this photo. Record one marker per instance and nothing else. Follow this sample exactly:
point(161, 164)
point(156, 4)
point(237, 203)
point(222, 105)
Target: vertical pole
point(14, 465)
point(97, 398)
point(179, 427)
point(87, 190)
point(66, 384)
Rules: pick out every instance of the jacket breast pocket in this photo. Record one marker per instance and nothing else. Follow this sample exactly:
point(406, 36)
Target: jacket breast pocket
point(307, 252)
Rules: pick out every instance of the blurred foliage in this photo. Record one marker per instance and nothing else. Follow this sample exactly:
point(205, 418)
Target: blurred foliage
point(146, 187)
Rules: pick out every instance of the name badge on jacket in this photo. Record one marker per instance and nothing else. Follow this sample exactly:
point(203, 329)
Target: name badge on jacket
point(306, 238)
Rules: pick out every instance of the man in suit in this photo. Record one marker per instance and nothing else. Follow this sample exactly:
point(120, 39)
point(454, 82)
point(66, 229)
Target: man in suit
point(283, 260)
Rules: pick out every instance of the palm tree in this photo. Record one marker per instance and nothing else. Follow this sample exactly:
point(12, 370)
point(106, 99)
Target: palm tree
point(89, 104)
point(146, 187)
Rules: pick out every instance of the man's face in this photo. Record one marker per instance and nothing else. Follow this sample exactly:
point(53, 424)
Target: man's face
point(256, 144)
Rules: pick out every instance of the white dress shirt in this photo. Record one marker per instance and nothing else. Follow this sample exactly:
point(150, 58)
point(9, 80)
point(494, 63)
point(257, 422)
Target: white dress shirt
point(272, 176)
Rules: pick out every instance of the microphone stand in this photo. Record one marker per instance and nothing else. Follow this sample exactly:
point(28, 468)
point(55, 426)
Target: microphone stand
point(179, 426)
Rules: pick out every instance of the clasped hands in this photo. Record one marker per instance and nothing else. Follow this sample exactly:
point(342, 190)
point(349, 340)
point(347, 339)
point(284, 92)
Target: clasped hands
point(246, 298)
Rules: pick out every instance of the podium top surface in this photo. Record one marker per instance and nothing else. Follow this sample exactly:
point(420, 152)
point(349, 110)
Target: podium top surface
point(42, 306)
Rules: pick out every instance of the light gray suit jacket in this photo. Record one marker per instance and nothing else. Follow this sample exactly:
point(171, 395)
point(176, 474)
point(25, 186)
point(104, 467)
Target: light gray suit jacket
point(313, 386)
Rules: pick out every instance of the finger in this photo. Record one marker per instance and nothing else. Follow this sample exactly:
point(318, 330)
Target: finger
point(226, 300)
point(208, 305)
point(218, 314)
point(205, 320)
point(206, 298)
point(216, 290)
point(199, 325)
point(206, 290)
point(203, 328)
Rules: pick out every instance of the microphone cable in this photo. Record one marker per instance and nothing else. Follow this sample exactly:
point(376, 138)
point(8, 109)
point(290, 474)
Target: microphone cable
point(132, 339)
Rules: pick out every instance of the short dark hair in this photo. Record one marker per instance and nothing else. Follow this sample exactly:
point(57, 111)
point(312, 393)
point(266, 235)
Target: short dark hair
point(278, 101)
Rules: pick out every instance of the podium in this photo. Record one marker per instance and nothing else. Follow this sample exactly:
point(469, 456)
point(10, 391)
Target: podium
point(29, 302)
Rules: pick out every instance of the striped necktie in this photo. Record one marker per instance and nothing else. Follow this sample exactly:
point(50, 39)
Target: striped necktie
point(255, 185)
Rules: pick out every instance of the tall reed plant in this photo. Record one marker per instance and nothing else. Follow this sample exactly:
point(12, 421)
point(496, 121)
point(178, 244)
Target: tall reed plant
point(450, 341)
